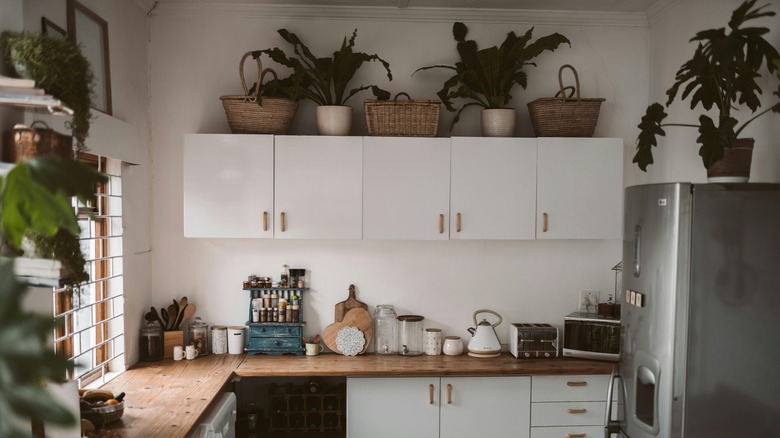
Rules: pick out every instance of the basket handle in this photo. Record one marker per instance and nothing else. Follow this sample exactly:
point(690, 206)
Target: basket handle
point(32, 125)
point(403, 94)
point(569, 88)
point(259, 74)
point(576, 81)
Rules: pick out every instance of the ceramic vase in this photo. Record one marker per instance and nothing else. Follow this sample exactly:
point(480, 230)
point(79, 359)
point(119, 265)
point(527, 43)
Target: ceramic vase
point(734, 167)
point(499, 122)
point(453, 346)
point(334, 119)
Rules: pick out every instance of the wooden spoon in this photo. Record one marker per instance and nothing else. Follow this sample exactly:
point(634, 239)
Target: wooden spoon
point(172, 315)
point(188, 312)
point(157, 317)
point(180, 315)
point(165, 318)
point(175, 315)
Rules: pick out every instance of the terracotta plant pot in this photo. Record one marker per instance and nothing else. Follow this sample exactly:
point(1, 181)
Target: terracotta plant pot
point(734, 167)
point(334, 119)
point(500, 122)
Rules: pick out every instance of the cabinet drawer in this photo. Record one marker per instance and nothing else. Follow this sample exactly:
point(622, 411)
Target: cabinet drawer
point(568, 432)
point(567, 413)
point(569, 388)
point(261, 331)
point(273, 343)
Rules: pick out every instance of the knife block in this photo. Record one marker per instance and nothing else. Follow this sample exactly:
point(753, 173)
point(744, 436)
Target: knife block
point(170, 340)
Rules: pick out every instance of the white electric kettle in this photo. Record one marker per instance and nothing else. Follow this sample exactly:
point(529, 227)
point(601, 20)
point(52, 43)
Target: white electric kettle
point(484, 342)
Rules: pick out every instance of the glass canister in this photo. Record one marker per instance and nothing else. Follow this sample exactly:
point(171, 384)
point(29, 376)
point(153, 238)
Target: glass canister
point(219, 339)
point(199, 336)
point(410, 335)
point(385, 330)
point(151, 347)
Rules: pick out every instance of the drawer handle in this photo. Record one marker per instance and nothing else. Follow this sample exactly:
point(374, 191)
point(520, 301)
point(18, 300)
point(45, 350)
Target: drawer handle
point(544, 222)
point(279, 343)
point(575, 435)
point(441, 223)
point(449, 394)
point(265, 221)
point(457, 222)
point(430, 394)
point(576, 383)
point(577, 411)
point(281, 226)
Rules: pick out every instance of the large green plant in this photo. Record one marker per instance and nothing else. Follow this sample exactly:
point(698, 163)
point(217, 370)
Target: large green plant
point(57, 66)
point(34, 196)
point(324, 80)
point(721, 74)
point(486, 77)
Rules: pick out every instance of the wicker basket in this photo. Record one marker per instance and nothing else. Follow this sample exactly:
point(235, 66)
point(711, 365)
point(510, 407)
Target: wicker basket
point(111, 413)
point(418, 118)
point(38, 140)
point(246, 116)
point(565, 116)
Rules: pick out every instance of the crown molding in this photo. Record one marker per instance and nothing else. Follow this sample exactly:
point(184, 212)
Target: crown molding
point(659, 9)
point(371, 13)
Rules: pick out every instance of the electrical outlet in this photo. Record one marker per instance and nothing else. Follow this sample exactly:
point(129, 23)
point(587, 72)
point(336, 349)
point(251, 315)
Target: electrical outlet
point(589, 299)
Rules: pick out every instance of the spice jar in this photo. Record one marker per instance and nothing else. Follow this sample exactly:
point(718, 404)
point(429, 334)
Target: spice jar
point(198, 336)
point(296, 313)
point(151, 346)
point(385, 329)
point(219, 339)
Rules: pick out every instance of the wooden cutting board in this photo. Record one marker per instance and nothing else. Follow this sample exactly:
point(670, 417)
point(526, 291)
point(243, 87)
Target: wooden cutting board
point(359, 318)
point(350, 303)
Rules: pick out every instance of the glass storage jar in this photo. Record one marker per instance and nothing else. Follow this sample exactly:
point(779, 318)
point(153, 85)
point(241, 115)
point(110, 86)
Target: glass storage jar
point(151, 347)
point(199, 336)
point(410, 335)
point(385, 330)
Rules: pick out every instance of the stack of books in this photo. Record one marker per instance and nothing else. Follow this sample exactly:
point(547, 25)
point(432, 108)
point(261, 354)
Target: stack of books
point(16, 91)
point(39, 272)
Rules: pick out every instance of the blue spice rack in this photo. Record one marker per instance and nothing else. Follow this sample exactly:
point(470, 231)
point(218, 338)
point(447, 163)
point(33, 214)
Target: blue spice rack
point(276, 338)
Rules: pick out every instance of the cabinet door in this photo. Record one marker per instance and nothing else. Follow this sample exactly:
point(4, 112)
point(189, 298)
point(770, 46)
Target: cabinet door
point(579, 188)
point(393, 407)
point(228, 185)
point(406, 188)
point(493, 188)
point(318, 187)
point(485, 406)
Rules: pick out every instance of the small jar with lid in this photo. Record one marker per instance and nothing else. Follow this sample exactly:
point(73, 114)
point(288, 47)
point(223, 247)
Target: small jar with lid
point(198, 336)
point(385, 329)
point(219, 339)
point(151, 345)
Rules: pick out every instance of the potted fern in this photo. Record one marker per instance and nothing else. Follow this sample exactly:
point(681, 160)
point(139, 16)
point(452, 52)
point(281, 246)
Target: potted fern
point(486, 77)
point(326, 80)
point(722, 74)
point(59, 67)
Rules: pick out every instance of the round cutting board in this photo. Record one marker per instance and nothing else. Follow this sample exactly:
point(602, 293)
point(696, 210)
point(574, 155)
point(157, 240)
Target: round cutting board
point(358, 318)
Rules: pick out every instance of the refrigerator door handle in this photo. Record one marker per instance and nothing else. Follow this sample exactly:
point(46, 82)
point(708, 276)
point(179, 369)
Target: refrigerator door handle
point(637, 250)
point(611, 426)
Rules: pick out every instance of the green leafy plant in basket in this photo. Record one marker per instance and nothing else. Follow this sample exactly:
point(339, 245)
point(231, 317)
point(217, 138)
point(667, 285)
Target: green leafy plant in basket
point(324, 80)
point(722, 74)
point(59, 67)
point(486, 77)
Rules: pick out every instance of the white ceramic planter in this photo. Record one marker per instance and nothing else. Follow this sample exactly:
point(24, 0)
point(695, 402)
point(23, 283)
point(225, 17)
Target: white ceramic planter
point(500, 122)
point(334, 119)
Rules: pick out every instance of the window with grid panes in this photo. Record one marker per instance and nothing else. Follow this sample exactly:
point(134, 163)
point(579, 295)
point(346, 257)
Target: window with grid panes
point(90, 315)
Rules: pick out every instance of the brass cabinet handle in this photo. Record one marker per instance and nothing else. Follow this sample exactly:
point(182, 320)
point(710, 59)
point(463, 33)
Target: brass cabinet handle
point(544, 222)
point(430, 394)
point(441, 223)
point(281, 226)
point(577, 411)
point(265, 221)
point(576, 383)
point(457, 222)
point(575, 435)
point(449, 394)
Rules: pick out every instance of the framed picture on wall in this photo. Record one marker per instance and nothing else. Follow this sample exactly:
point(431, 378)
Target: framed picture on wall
point(88, 30)
point(52, 30)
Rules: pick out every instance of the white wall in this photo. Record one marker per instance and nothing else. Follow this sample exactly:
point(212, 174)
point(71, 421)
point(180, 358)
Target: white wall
point(676, 156)
point(194, 60)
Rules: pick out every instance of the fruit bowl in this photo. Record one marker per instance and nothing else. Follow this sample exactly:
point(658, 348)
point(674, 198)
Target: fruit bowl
point(110, 413)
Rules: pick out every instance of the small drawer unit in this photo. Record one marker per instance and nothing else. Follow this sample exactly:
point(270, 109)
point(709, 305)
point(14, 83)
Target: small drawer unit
point(270, 336)
point(568, 406)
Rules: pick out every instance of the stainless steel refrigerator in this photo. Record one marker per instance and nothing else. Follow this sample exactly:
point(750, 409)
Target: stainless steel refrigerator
point(700, 314)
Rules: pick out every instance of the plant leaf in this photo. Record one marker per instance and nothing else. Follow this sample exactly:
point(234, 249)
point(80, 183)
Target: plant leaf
point(714, 139)
point(649, 127)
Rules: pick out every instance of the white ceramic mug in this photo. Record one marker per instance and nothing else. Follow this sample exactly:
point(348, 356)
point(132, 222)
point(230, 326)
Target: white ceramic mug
point(313, 349)
point(191, 352)
point(178, 352)
point(453, 346)
point(433, 341)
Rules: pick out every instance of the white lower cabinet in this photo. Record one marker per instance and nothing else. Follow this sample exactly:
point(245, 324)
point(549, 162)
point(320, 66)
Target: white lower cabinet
point(433, 407)
point(568, 406)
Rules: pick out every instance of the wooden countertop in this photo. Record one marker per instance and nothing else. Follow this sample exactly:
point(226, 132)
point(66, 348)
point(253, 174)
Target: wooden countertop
point(169, 398)
point(379, 365)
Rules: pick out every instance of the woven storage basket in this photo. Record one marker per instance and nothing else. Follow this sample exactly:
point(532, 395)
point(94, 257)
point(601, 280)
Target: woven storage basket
point(418, 118)
point(38, 140)
point(565, 116)
point(246, 116)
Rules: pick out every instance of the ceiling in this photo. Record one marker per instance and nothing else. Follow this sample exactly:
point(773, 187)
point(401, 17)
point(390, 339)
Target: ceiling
point(620, 6)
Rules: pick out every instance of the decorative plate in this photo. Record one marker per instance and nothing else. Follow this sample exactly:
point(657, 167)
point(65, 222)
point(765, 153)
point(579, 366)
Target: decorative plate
point(350, 341)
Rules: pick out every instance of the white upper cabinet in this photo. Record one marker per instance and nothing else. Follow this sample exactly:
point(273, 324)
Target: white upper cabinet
point(493, 188)
point(318, 187)
point(228, 185)
point(406, 188)
point(580, 188)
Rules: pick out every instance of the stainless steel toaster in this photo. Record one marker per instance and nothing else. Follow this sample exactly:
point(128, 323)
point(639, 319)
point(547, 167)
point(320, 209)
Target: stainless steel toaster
point(533, 340)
